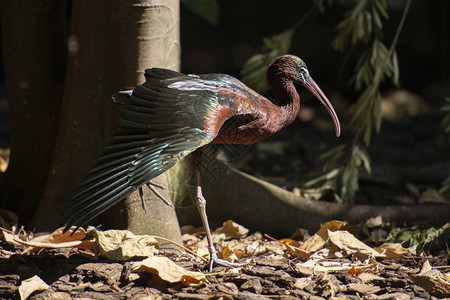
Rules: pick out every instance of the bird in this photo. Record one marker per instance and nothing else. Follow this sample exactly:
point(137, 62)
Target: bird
point(172, 115)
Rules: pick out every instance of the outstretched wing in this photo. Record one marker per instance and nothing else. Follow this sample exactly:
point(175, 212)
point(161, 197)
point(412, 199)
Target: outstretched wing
point(163, 121)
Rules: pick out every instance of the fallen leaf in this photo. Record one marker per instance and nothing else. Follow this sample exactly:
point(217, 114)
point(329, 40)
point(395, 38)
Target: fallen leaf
point(8, 236)
point(122, 245)
point(255, 248)
point(232, 230)
point(348, 243)
point(374, 222)
point(169, 271)
point(392, 251)
point(31, 285)
point(57, 239)
point(319, 263)
point(227, 252)
point(318, 240)
point(368, 266)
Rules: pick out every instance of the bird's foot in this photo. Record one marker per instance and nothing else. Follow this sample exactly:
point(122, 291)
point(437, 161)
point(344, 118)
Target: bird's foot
point(214, 260)
point(152, 186)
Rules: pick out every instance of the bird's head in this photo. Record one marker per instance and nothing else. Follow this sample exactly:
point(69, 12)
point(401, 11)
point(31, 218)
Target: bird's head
point(294, 69)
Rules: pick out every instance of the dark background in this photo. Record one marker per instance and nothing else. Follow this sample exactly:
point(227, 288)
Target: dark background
point(423, 48)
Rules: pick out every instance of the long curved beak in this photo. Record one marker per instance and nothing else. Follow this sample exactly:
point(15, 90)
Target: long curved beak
point(311, 85)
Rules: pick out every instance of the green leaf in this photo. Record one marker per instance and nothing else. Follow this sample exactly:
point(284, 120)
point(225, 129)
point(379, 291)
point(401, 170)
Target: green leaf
point(420, 238)
point(363, 155)
point(206, 9)
point(445, 186)
point(323, 178)
point(381, 5)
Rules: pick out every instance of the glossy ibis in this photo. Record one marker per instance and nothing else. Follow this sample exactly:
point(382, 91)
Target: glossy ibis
point(172, 115)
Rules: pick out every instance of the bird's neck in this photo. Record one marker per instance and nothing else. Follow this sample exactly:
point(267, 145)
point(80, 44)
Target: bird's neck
point(287, 98)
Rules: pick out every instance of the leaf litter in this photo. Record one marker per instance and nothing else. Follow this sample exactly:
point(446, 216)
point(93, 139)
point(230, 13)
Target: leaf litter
point(335, 262)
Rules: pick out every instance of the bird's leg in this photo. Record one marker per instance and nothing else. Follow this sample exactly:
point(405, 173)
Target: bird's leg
point(201, 205)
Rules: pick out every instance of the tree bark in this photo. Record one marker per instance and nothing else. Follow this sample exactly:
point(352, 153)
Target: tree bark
point(33, 35)
point(111, 44)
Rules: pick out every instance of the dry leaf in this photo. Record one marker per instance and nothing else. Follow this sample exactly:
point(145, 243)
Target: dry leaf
point(31, 285)
point(8, 236)
point(348, 243)
point(123, 245)
point(57, 239)
point(169, 271)
point(374, 222)
point(318, 263)
point(318, 240)
point(227, 252)
point(426, 267)
point(392, 250)
point(232, 230)
point(324, 266)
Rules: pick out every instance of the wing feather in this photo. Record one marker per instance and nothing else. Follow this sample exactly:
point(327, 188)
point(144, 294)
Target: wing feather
point(159, 131)
point(163, 121)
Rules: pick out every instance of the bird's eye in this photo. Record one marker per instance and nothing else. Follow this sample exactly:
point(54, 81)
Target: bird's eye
point(304, 70)
point(303, 73)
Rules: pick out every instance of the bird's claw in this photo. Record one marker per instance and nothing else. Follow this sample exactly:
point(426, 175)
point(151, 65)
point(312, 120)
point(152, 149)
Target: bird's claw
point(222, 262)
point(152, 186)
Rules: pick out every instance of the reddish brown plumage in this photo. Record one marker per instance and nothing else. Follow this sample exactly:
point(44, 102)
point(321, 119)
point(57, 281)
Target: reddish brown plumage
point(254, 117)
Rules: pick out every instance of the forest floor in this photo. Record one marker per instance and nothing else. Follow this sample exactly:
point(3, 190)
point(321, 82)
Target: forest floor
point(376, 261)
point(342, 268)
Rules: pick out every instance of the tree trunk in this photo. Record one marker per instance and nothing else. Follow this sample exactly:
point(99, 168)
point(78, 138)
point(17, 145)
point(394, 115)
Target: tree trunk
point(157, 25)
point(33, 35)
point(111, 44)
